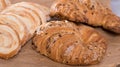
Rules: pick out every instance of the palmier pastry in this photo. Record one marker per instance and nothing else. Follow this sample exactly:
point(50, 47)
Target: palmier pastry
point(9, 42)
point(18, 25)
point(64, 42)
point(22, 19)
point(92, 12)
point(27, 15)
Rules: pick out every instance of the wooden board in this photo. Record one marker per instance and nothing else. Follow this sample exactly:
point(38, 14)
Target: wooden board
point(28, 57)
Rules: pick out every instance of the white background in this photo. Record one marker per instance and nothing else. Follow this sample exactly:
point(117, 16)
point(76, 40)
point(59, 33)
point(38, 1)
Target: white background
point(116, 7)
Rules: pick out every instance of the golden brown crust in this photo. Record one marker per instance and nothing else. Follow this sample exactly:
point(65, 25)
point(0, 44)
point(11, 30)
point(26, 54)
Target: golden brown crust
point(67, 9)
point(64, 42)
point(92, 12)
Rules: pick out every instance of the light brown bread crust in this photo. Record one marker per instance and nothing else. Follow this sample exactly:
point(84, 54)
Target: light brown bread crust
point(92, 12)
point(64, 42)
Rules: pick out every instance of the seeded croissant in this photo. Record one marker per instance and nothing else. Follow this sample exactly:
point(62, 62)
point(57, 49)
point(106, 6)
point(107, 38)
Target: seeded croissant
point(18, 24)
point(64, 42)
point(92, 12)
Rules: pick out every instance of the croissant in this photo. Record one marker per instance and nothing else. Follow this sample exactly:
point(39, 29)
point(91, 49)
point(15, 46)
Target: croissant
point(92, 12)
point(4, 4)
point(64, 42)
point(23, 19)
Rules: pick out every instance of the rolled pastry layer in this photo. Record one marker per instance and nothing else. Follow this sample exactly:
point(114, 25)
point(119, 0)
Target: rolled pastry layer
point(27, 17)
point(4, 4)
point(9, 42)
point(16, 24)
point(23, 18)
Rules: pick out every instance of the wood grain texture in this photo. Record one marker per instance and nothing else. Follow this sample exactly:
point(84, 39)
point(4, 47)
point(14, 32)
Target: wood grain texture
point(28, 57)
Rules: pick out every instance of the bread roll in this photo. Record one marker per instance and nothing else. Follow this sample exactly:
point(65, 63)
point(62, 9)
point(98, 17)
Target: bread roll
point(64, 42)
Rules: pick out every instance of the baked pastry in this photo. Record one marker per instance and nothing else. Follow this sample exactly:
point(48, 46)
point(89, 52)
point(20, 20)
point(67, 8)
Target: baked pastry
point(64, 42)
point(27, 15)
point(40, 13)
point(18, 25)
point(4, 4)
point(92, 12)
point(9, 42)
point(23, 19)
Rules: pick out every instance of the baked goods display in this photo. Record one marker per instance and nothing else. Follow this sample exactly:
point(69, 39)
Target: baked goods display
point(4, 4)
point(64, 42)
point(69, 40)
point(18, 24)
point(92, 12)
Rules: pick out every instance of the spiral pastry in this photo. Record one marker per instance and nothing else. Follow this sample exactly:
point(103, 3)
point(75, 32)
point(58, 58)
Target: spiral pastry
point(9, 42)
point(35, 12)
point(23, 18)
point(15, 23)
point(27, 15)
point(64, 42)
point(4, 4)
